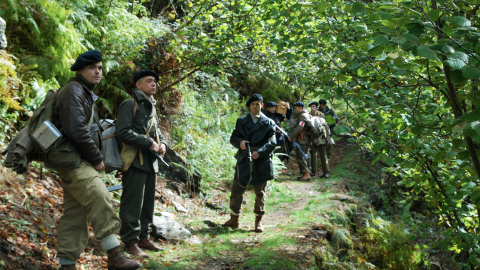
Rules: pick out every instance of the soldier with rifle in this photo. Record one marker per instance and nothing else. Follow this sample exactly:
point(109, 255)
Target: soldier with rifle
point(254, 137)
point(137, 130)
point(270, 112)
point(300, 135)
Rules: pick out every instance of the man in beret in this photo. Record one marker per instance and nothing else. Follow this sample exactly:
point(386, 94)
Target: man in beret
point(137, 130)
point(270, 112)
point(79, 157)
point(327, 111)
point(314, 110)
point(258, 132)
point(300, 135)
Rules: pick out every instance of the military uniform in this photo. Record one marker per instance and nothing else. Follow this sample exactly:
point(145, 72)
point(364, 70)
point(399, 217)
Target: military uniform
point(319, 146)
point(139, 181)
point(300, 135)
point(85, 196)
point(328, 111)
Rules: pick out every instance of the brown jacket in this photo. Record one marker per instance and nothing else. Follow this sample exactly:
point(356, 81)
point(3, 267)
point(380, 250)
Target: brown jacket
point(300, 131)
point(71, 114)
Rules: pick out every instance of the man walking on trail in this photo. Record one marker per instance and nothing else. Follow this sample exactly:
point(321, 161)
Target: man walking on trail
point(314, 110)
point(255, 133)
point(137, 129)
point(327, 111)
point(300, 135)
point(85, 196)
point(285, 147)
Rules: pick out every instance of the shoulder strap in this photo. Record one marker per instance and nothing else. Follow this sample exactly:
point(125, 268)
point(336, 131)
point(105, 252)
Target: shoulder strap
point(90, 122)
point(134, 107)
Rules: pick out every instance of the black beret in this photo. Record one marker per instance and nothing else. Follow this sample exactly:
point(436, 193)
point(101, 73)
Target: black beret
point(313, 103)
point(144, 73)
point(86, 58)
point(298, 103)
point(270, 104)
point(253, 98)
point(323, 101)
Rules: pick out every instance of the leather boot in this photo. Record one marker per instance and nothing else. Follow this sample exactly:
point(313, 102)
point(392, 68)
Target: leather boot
point(118, 261)
point(68, 267)
point(258, 224)
point(232, 222)
point(133, 249)
point(148, 244)
point(305, 177)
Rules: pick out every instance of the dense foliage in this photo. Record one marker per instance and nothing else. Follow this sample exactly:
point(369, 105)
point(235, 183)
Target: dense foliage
point(407, 71)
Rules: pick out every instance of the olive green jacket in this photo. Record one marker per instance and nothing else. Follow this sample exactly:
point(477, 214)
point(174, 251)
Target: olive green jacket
point(300, 126)
point(132, 129)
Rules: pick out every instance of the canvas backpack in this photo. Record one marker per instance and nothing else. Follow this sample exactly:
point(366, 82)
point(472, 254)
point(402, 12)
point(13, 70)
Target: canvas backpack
point(317, 127)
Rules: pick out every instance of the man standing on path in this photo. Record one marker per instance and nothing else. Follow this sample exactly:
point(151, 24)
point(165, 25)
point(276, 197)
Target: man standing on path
point(285, 147)
point(300, 135)
point(327, 111)
point(256, 133)
point(319, 145)
point(85, 196)
point(137, 129)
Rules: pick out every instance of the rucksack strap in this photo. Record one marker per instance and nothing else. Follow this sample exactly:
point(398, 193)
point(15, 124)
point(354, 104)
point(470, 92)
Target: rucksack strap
point(134, 107)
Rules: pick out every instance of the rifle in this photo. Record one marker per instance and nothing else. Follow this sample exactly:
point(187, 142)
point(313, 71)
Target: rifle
point(249, 152)
point(158, 157)
point(295, 144)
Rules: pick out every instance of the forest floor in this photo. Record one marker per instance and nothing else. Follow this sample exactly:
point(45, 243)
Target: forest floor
point(308, 224)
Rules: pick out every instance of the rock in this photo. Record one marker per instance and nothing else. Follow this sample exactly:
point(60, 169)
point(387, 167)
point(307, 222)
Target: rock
point(3, 38)
point(319, 233)
point(212, 205)
point(167, 214)
point(179, 207)
point(165, 227)
point(343, 198)
point(180, 172)
point(194, 240)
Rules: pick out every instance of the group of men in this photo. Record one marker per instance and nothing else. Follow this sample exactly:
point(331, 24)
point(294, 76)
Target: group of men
point(86, 198)
point(256, 136)
point(85, 195)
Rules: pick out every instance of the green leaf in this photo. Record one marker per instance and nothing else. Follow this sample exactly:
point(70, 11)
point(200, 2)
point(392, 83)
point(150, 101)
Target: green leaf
point(450, 189)
point(461, 21)
point(455, 63)
point(375, 50)
point(382, 39)
point(377, 146)
point(426, 52)
point(411, 38)
point(459, 55)
point(399, 40)
point(463, 155)
point(447, 49)
point(352, 140)
point(358, 9)
point(434, 14)
point(389, 161)
point(471, 73)
point(322, 6)
point(472, 129)
point(330, 120)
point(457, 77)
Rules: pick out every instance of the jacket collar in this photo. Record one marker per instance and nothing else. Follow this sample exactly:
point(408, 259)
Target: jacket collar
point(250, 126)
point(140, 96)
point(85, 85)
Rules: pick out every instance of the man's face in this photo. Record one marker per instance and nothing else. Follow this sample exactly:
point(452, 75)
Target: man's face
point(92, 73)
point(297, 109)
point(322, 106)
point(314, 108)
point(271, 109)
point(148, 85)
point(256, 106)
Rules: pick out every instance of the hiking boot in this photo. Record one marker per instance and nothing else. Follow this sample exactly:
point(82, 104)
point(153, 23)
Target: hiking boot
point(258, 224)
point(305, 177)
point(133, 249)
point(232, 222)
point(327, 175)
point(118, 261)
point(68, 267)
point(148, 244)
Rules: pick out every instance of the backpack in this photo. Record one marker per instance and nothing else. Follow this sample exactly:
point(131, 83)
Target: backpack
point(317, 127)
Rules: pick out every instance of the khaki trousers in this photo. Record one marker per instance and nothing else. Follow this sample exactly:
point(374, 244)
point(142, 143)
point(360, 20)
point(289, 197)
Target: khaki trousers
point(85, 199)
point(137, 204)
point(236, 198)
point(321, 150)
point(303, 164)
